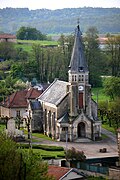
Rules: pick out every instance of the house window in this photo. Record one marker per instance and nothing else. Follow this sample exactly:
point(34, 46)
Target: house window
point(18, 113)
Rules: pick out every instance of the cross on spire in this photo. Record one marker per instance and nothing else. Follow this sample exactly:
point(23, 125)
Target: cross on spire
point(78, 21)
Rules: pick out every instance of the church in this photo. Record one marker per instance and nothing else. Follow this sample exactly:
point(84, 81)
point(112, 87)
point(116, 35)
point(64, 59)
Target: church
point(68, 108)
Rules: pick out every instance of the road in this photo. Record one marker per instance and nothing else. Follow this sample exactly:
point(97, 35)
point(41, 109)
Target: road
point(91, 148)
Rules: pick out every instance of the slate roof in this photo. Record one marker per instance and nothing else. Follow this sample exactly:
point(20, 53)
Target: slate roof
point(64, 118)
point(78, 61)
point(35, 105)
point(19, 98)
point(55, 93)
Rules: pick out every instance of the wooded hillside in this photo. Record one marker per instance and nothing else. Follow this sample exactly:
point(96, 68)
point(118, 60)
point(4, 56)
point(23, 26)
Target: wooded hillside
point(61, 20)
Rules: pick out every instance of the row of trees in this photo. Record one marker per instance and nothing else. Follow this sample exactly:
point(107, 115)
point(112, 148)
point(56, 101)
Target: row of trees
point(46, 64)
point(109, 110)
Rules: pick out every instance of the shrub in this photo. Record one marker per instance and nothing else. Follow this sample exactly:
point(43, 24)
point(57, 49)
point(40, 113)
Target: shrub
point(73, 154)
point(43, 147)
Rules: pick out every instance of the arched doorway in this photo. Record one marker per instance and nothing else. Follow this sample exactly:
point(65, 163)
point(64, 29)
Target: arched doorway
point(81, 129)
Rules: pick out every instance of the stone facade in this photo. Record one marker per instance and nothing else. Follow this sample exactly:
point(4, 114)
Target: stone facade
point(69, 110)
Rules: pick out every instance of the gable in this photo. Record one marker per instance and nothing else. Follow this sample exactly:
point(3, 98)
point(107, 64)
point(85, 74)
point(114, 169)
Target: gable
point(72, 175)
point(64, 173)
point(55, 93)
point(57, 171)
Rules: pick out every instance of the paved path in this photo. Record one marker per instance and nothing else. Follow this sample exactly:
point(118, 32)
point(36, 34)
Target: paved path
point(109, 134)
point(91, 149)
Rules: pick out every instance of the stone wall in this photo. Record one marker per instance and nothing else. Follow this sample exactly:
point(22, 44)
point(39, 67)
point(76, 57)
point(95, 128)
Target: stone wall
point(114, 174)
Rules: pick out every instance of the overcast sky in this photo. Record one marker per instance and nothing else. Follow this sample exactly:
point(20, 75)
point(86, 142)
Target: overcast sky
point(58, 4)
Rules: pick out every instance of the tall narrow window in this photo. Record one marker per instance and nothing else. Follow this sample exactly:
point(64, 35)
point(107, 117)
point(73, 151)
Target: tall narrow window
point(80, 100)
point(75, 77)
point(18, 113)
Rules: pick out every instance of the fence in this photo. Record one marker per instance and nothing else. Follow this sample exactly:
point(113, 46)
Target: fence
point(89, 167)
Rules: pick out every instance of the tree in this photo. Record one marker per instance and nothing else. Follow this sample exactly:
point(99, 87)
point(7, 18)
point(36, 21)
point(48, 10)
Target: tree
point(73, 154)
point(10, 159)
point(112, 87)
point(93, 56)
point(113, 52)
point(29, 33)
point(7, 50)
point(18, 164)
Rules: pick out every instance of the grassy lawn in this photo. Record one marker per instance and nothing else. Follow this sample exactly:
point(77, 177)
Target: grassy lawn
point(44, 153)
point(36, 136)
point(27, 44)
point(42, 43)
point(104, 136)
point(99, 93)
point(2, 127)
point(39, 135)
point(25, 47)
point(111, 129)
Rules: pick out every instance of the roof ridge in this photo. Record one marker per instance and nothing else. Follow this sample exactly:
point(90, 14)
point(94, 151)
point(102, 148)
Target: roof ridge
point(29, 90)
point(48, 88)
point(69, 170)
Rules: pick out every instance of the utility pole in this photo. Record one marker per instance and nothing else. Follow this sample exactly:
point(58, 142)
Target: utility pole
point(118, 142)
point(30, 130)
point(66, 140)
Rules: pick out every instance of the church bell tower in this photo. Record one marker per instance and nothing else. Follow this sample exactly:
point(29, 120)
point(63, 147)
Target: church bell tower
point(80, 94)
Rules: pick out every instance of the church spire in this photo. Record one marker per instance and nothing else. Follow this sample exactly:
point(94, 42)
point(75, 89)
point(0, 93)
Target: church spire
point(78, 61)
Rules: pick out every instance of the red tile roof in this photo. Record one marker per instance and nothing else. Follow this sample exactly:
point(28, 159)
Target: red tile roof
point(102, 40)
point(7, 36)
point(57, 172)
point(19, 98)
point(33, 93)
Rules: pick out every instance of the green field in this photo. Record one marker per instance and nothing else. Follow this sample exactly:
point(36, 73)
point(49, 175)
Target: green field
point(27, 44)
point(99, 95)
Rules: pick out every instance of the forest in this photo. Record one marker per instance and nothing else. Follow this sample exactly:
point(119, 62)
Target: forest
point(60, 20)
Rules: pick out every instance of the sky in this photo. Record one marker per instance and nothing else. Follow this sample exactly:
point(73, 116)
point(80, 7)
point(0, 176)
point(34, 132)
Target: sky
point(58, 4)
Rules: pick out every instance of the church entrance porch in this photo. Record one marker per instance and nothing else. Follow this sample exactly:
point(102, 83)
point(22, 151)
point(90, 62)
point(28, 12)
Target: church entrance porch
point(81, 130)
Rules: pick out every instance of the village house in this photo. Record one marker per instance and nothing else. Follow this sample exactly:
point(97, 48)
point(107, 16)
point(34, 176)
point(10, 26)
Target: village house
point(8, 38)
point(69, 112)
point(15, 105)
point(64, 173)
